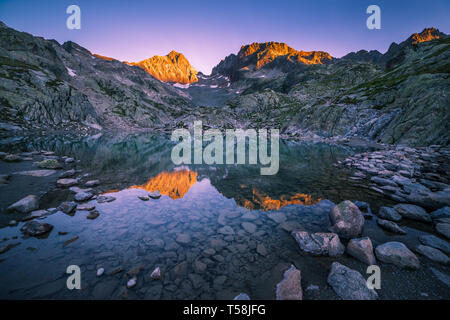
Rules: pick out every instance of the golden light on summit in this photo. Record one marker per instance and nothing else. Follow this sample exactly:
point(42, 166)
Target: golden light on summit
point(174, 184)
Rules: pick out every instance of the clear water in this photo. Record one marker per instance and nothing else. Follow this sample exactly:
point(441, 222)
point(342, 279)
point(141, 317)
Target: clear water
point(201, 208)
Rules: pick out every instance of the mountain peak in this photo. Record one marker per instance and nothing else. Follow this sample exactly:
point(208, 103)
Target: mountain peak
point(427, 34)
point(174, 67)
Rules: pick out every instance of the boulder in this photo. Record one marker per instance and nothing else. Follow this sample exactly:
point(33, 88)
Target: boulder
point(319, 243)
point(413, 212)
point(25, 205)
point(389, 214)
point(433, 254)
point(349, 284)
point(35, 228)
point(397, 253)
point(435, 242)
point(441, 213)
point(290, 288)
point(346, 219)
point(362, 250)
point(67, 182)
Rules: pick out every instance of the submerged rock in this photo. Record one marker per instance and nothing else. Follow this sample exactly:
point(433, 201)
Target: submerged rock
point(346, 219)
point(435, 242)
point(433, 254)
point(397, 253)
point(154, 194)
point(290, 288)
point(67, 207)
point(444, 278)
point(390, 226)
point(93, 215)
point(25, 205)
point(319, 243)
point(67, 174)
point(349, 284)
point(226, 230)
point(362, 250)
point(103, 199)
point(35, 228)
point(156, 274)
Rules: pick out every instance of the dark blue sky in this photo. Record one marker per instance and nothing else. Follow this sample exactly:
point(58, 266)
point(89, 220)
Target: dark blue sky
point(206, 31)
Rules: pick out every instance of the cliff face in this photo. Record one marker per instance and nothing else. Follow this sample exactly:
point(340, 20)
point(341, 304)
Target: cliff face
point(173, 67)
point(258, 55)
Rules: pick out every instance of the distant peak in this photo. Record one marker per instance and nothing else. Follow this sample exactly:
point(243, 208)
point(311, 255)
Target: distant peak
point(427, 34)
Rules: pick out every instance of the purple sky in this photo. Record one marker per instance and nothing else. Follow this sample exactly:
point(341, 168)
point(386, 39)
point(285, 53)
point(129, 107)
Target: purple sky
point(207, 31)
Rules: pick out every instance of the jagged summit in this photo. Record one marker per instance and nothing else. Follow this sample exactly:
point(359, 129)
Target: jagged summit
point(427, 34)
point(258, 55)
point(173, 67)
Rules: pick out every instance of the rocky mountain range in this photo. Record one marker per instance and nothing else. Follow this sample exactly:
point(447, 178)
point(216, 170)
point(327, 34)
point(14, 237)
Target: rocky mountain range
point(399, 97)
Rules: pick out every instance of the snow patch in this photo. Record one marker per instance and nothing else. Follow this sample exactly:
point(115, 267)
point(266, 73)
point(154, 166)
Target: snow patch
point(181, 86)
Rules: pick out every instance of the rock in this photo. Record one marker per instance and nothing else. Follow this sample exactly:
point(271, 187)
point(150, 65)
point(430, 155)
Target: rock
point(69, 160)
point(290, 225)
point(103, 199)
point(362, 205)
point(154, 194)
point(78, 190)
point(67, 174)
point(389, 214)
point(85, 207)
point(25, 205)
point(227, 230)
point(199, 266)
point(67, 207)
point(435, 242)
point(397, 253)
point(249, 227)
point(156, 274)
point(183, 238)
point(242, 296)
point(433, 254)
point(290, 288)
point(83, 196)
point(12, 223)
point(131, 283)
point(12, 158)
point(349, 284)
point(362, 250)
point(383, 182)
point(68, 182)
point(346, 219)
point(93, 215)
point(92, 183)
point(319, 243)
point(390, 226)
point(70, 241)
point(8, 247)
point(413, 212)
point(441, 213)
point(443, 229)
point(261, 249)
point(49, 164)
point(144, 198)
point(35, 228)
point(100, 272)
point(444, 278)
point(277, 217)
point(249, 216)
point(196, 280)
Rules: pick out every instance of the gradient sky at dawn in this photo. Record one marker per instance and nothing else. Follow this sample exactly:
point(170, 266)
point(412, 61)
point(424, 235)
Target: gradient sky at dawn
point(207, 31)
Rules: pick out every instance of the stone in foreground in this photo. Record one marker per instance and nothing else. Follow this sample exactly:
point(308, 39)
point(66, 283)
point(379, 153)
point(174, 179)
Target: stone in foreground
point(349, 284)
point(362, 250)
point(390, 226)
point(412, 212)
point(389, 214)
point(25, 205)
point(435, 242)
point(346, 219)
point(35, 228)
point(290, 288)
point(443, 229)
point(319, 243)
point(397, 253)
point(433, 254)
point(242, 296)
